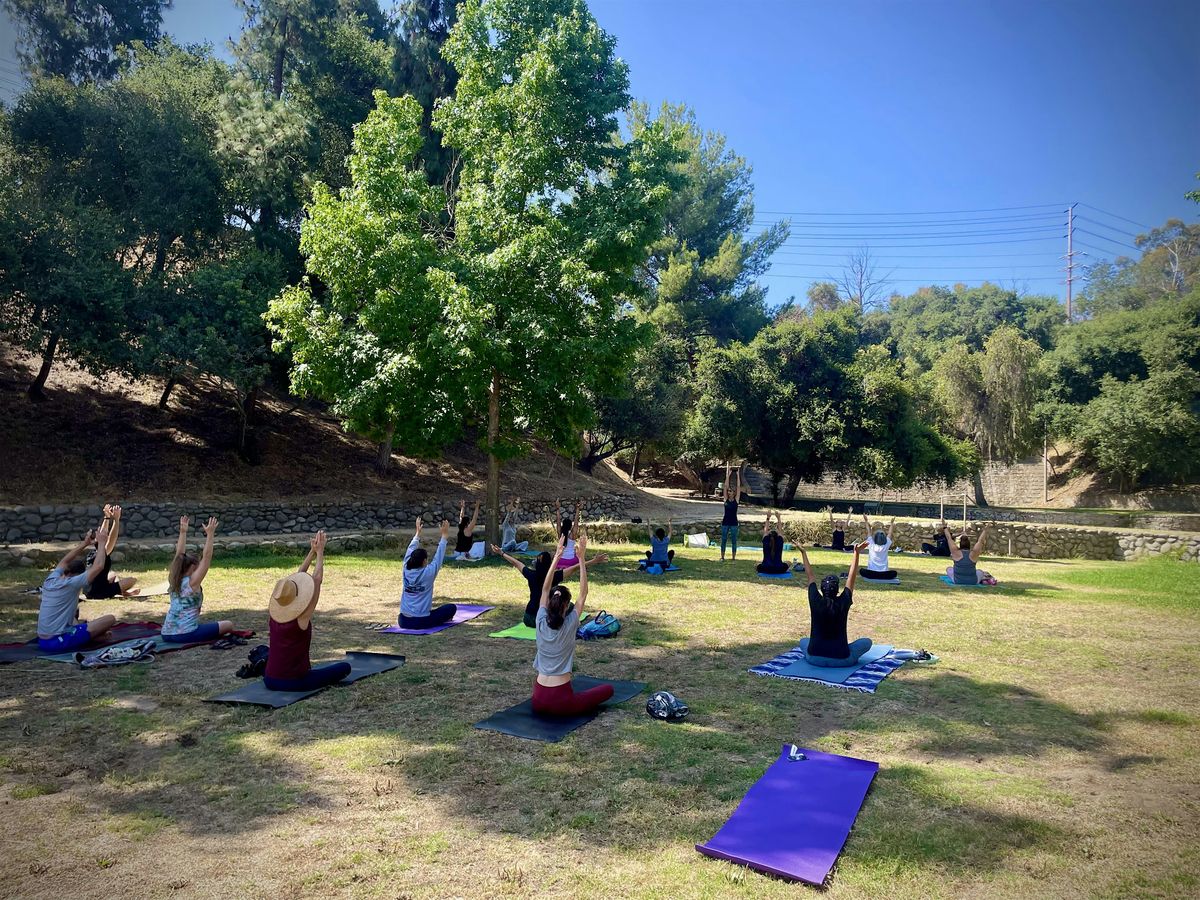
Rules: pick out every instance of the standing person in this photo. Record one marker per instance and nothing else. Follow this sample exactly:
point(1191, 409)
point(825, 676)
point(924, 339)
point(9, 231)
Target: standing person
point(729, 518)
point(466, 531)
point(964, 569)
point(940, 545)
point(106, 584)
point(556, 623)
point(293, 602)
point(508, 529)
point(416, 601)
point(182, 623)
point(568, 530)
point(58, 628)
point(838, 535)
point(660, 553)
point(772, 562)
point(826, 644)
point(877, 553)
point(535, 575)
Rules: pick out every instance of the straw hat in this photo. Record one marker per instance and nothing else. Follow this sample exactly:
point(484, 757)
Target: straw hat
point(291, 596)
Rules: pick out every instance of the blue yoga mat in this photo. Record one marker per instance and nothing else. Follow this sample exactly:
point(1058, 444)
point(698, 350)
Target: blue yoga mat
point(946, 580)
point(780, 575)
point(646, 571)
point(794, 821)
point(802, 668)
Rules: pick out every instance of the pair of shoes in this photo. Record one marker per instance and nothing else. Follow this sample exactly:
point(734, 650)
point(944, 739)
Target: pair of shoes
point(378, 626)
point(228, 642)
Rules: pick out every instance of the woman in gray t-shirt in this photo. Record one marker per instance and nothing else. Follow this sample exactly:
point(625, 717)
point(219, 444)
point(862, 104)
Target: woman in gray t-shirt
point(964, 569)
point(557, 622)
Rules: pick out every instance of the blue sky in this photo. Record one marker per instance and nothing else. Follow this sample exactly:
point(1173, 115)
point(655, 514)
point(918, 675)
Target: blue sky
point(880, 111)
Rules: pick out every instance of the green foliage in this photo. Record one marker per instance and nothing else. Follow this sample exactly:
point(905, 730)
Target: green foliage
point(78, 39)
point(372, 339)
point(921, 325)
point(420, 70)
point(1168, 267)
point(1142, 430)
point(803, 399)
point(703, 272)
point(990, 397)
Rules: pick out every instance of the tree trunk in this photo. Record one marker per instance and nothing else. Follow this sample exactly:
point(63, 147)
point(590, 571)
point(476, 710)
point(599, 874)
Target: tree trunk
point(637, 458)
point(277, 67)
point(36, 388)
point(165, 397)
point(493, 482)
point(789, 489)
point(384, 460)
point(977, 480)
point(248, 444)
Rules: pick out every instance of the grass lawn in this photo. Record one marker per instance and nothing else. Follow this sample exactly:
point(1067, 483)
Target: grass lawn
point(1052, 752)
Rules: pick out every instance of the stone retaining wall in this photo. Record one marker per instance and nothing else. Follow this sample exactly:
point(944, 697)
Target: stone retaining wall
point(41, 524)
point(1018, 540)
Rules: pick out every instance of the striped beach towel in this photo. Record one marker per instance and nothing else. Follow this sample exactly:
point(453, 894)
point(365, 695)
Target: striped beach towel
point(864, 680)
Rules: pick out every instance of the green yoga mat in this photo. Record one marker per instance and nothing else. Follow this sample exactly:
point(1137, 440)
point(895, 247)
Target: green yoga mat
point(520, 630)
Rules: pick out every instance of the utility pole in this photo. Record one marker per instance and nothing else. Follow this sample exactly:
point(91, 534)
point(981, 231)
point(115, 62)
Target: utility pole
point(1070, 258)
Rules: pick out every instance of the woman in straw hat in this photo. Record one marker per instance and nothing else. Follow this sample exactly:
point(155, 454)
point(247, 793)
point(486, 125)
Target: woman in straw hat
point(416, 602)
point(292, 605)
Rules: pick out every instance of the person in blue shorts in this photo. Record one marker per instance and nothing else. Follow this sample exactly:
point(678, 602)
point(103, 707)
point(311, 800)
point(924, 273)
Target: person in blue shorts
point(827, 644)
point(59, 629)
point(182, 623)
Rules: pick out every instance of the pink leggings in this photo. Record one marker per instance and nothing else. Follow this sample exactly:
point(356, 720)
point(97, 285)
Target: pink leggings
point(563, 701)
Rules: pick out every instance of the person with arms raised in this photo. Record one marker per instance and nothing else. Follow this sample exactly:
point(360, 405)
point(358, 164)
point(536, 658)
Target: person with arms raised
point(182, 623)
point(556, 624)
point(826, 644)
point(59, 629)
point(416, 601)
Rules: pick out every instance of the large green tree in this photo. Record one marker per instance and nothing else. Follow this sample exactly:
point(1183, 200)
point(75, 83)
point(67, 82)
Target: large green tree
point(78, 39)
point(991, 397)
point(803, 398)
point(553, 218)
point(703, 270)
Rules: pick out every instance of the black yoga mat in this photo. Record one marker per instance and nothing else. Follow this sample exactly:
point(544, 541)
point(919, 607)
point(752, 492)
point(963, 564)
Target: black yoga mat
point(362, 665)
point(521, 721)
point(122, 631)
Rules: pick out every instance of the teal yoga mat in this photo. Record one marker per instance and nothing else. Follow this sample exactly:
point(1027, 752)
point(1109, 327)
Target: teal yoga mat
point(946, 580)
point(804, 669)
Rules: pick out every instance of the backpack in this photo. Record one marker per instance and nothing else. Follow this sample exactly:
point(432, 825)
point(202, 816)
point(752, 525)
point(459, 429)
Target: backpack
point(117, 655)
point(602, 626)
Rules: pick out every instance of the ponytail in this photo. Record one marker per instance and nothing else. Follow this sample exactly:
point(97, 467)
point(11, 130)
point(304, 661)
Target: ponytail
point(181, 563)
point(556, 610)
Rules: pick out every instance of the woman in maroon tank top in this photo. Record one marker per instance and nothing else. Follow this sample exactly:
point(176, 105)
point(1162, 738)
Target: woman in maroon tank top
point(292, 605)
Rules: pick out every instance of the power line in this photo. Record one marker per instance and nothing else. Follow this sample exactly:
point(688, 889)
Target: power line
point(836, 276)
point(1041, 255)
point(1108, 239)
point(870, 235)
point(762, 220)
point(1100, 224)
point(938, 268)
point(874, 247)
point(941, 212)
point(1115, 216)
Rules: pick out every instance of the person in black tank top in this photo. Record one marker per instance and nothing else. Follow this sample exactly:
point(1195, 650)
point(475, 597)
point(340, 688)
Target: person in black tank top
point(827, 644)
point(466, 530)
point(729, 519)
point(772, 563)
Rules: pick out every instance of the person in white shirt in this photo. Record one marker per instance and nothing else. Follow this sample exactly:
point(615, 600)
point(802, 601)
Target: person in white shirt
point(878, 546)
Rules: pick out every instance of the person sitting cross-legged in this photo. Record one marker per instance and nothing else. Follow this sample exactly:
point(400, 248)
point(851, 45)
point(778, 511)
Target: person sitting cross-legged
point(59, 629)
point(772, 562)
point(556, 625)
point(182, 624)
point(293, 602)
point(106, 584)
point(964, 569)
point(535, 576)
point(660, 553)
point(827, 644)
point(419, 573)
point(508, 529)
point(878, 546)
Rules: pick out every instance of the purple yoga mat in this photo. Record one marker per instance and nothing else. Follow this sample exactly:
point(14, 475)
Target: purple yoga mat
point(794, 820)
point(465, 612)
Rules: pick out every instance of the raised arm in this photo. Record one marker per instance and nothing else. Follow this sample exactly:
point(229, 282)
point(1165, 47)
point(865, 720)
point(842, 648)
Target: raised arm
point(101, 553)
point(741, 491)
point(210, 530)
point(866, 522)
point(849, 516)
point(853, 576)
point(955, 553)
point(415, 542)
point(474, 518)
point(88, 539)
point(181, 541)
point(577, 520)
point(439, 555)
point(548, 583)
point(808, 569)
point(308, 557)
point(581, 551)
point(596, 560)
point(767, 524)
point(316, 550)
point(114, 513)
point(891, 525)
point(725, 484)
point(979, 544)
point(515, 563)
point(670, 533)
